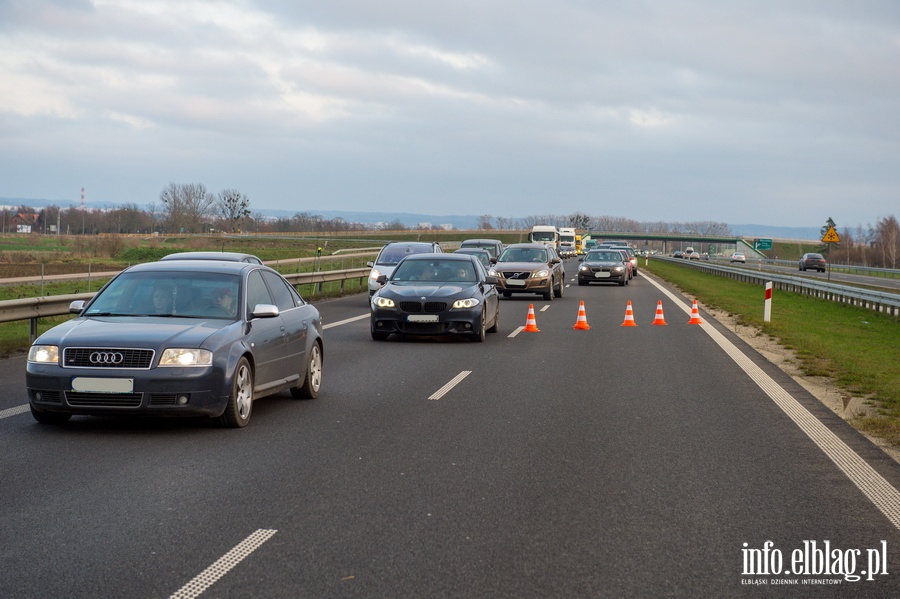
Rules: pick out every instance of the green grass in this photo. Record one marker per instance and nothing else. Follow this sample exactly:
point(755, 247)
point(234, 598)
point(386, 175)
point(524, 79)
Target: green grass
point(855, 347)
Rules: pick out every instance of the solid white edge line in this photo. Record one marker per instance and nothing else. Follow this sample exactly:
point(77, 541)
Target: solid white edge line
point(452, 383)
point(874, 486)
point(223, 565)
point(13, 411)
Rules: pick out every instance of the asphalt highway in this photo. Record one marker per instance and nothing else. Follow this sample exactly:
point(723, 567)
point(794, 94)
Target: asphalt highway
point(620, 461)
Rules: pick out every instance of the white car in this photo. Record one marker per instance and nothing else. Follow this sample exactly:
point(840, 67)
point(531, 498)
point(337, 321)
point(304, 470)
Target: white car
point(738, 257)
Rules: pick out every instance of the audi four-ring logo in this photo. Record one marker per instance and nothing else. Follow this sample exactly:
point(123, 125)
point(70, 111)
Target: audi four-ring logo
point(106, 357)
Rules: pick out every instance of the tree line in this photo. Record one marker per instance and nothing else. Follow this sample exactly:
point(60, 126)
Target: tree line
point(191, 208)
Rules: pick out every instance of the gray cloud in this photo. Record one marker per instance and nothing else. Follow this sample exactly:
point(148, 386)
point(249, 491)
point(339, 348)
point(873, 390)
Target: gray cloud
point(738, 112)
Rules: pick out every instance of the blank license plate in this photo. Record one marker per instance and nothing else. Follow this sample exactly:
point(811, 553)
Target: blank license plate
point(96, 385)
point(601, 275)
point(515, 283)
point(422, 318)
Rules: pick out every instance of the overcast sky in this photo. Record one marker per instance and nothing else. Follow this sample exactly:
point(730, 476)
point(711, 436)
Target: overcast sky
point(782, 112)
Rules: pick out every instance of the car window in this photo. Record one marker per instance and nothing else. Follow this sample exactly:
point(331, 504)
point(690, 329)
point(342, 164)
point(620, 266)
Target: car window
point(281, 291)
point(391, 255)
point(257, 292)
point(162, 293)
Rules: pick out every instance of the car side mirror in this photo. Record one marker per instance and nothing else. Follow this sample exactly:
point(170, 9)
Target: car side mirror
point(381, 280)
point(555, 261)
point(490, 280)
point(370, 264)
point(76, 307)
point(264, 311)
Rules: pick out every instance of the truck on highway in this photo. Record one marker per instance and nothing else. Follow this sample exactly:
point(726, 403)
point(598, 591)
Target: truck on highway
point(544, 234)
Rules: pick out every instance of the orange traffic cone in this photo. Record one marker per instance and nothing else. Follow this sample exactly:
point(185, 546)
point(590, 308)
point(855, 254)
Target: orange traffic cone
point(531, 323)
point(581, 323)
point(629, 316)
point(695, 314)
point(659, 314)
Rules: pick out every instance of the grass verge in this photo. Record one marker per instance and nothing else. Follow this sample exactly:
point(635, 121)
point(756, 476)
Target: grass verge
point(854, 347)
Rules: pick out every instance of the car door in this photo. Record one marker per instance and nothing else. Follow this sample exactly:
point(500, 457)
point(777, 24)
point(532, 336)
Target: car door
point(296, 318)
point(266, 335)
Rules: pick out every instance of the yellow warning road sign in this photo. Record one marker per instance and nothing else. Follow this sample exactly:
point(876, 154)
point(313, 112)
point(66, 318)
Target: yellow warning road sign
point(831, 236)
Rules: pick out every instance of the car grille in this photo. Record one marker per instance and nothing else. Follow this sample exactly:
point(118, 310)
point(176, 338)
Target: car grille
point(107, 357)
point(601, 269)
point(104, 400)
point(515, 274)
point(423, 306)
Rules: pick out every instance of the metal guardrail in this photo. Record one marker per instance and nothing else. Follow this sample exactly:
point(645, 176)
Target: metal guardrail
point(34, 308)
point(878, 301)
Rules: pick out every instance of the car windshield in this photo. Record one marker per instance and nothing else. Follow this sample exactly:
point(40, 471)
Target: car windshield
point(393, 254)
point(524, 255)
point(171, 294)
point(441, 271)
point(604, 257)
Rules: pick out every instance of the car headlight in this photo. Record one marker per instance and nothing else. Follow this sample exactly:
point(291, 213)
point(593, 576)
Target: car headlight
point(382, 302)
point(493, 272)
point(374, 274)
point(584, 268)
point(619, 268)
point(542, 273)
point(186, 357)
point(44, 354)
point(466, 303)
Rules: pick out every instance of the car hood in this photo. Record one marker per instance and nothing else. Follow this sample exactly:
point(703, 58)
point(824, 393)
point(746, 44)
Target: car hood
point(532, 266)
point(127, 331)
point(416, 290)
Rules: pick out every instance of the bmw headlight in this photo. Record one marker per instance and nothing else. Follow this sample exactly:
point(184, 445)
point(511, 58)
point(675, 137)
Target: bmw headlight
point(542, 273)
point(466, 303)
point(584, 268)
point(382, 302)
point(619, 268)
point(186, 357)
point(44, 354)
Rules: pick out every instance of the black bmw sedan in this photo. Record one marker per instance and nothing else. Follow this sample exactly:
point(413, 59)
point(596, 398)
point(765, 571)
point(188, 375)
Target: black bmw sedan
point(436, 294)
point(178, 338)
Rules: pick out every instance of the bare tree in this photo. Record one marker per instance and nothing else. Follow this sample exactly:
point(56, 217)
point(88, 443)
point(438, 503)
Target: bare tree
point(233, 206)
point(484, 222)
point(887, 233)
point(187, 206)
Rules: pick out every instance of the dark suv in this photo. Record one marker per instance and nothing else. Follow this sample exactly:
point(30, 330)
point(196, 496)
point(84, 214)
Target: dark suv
point(530, 268)
point(393, 253)
point(813, 261)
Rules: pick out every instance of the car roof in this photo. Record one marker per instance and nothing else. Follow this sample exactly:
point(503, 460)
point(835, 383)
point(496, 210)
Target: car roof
point(472, 251)
point(219, 266)
point(481, 241)
point(454, 256)
point(528, 245)
point(224, 256)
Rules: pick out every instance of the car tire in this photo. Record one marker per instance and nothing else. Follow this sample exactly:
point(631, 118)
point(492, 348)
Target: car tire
point(312, 382)
point(562, 287)
point(495, 328)
point(581, 283)
point(240, 401)
point(379, 336)
point(623, 281)
point(479, 335)
point(49, 417)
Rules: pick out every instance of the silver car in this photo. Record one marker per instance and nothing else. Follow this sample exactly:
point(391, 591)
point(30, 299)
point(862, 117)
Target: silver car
point(391, 255)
